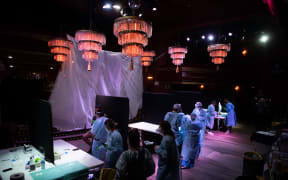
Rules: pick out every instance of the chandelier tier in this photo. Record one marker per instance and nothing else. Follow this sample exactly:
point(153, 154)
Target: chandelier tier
point(147, 58)
point(218, 52)
point(60, 48)
point(177, 55)
point(132, 33)
point(90, 43)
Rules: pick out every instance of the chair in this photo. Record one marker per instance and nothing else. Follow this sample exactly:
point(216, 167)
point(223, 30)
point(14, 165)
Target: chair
point(107, 174)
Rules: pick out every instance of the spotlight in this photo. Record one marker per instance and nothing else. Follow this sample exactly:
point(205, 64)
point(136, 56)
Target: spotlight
point(107, 6)
point(11, 66)
point(264, 38)
point(203, 37)
point(230, 34)
point(202, 86)
point(237, 88)
point(10, 57)
point(154, 9)
point(140, 15)
point(149, 77)
point(210, 37)
point(51, 68)
point(188, 39)
point(117, 6)
point(244, 52)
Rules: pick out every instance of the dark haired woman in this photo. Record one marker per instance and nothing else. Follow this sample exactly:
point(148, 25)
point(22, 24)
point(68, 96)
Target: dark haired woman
point(114, 144)
point(168, 163)
point(136, 162)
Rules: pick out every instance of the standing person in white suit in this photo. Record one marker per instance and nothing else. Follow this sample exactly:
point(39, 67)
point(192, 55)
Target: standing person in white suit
point(211, 113)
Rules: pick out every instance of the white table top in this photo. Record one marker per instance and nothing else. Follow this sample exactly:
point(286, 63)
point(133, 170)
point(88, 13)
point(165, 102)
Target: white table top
point(62, 147)
point(145, 126)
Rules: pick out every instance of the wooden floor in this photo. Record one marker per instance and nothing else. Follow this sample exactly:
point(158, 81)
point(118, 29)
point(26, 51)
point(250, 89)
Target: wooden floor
point(221, 157)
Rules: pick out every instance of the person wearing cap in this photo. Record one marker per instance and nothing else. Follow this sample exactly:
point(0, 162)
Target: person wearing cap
point(231, 116)
point(211, 113)
point(97, 135)
point(199, 114)
point(175, 118)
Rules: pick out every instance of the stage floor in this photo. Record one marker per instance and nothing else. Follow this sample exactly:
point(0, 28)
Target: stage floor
point(221, 157)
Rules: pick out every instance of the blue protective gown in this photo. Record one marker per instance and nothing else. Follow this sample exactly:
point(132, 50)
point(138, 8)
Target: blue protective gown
point(191, 144)
point(175, 120)
point(114, 148)
point(200, 115)
point(98, 130)
point(211, 113)
point(168, 162)
point(231, 116)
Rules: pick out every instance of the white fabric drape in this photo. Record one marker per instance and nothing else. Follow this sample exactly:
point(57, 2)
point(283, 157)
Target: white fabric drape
point(74, 95)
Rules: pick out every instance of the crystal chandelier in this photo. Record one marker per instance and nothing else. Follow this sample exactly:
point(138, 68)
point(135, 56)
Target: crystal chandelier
point(147, 58)
point(60, 48)
point(90, 43)
point(218, 52)
point(177, 55)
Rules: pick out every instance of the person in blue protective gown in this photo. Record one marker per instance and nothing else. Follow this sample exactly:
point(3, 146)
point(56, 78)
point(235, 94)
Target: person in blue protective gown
point(168, 162)
point(231, 115)
point(175, 118)
point(191, 144)
point(136, 163)
point(98, 135)
point(113, 145)
point(211, 113)
point(200, 114)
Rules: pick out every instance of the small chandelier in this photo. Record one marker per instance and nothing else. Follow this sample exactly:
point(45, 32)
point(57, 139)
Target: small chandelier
point(90, 43)
point(147, 58)
point(177, 55)
point(218, 52)
point(132, 33)
point(60, 48)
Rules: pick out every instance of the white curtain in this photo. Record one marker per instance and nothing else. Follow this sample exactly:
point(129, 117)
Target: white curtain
point(74, 95)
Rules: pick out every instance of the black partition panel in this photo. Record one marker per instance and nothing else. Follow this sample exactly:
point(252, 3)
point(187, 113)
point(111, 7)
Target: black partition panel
point(116, 108)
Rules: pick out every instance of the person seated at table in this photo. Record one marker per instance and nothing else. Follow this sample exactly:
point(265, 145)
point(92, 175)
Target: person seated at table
point(97, 135)
point(168, 162)
point(113, 145)
point(200, 115)
point(136, 162)
point(211, 113)
point(231, 116)
point(191, 144)
point(175, 118)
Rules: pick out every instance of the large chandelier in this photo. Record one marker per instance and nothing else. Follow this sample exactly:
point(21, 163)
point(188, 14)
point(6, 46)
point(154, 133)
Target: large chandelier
point(60, 48)
point(177, 55)
point(147, 58)
point(90, 43)
point(218, 52)
point(132, 33)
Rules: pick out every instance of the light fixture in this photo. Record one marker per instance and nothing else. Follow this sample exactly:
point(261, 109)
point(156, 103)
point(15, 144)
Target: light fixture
point(202, 86)
point(60, 48)
point(140, 15)
point(203, 37)
point(237, 88)
point(218, 52)
point(177, 55)
point(132, 33)
point(230, 34)
point(264, 38)
point(244, 52)
point(90, 43)
point(107, 6)
point(147, 58)
point(210, 37)
point(154, 9)
point(150, 77)
point(188, 39)
point(11, 66)
point(10, 57)
point(117, 7)
point(51, 68)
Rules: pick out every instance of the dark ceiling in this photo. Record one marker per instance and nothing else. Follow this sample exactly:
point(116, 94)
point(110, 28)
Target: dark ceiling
point(26, 26)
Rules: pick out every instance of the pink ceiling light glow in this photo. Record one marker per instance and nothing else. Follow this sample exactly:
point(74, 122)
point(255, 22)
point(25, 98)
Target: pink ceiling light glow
point(90, 43)
point(60, 48)
point(218, 52)
point(177, 55)
point(132, 33)
point(147, 58)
